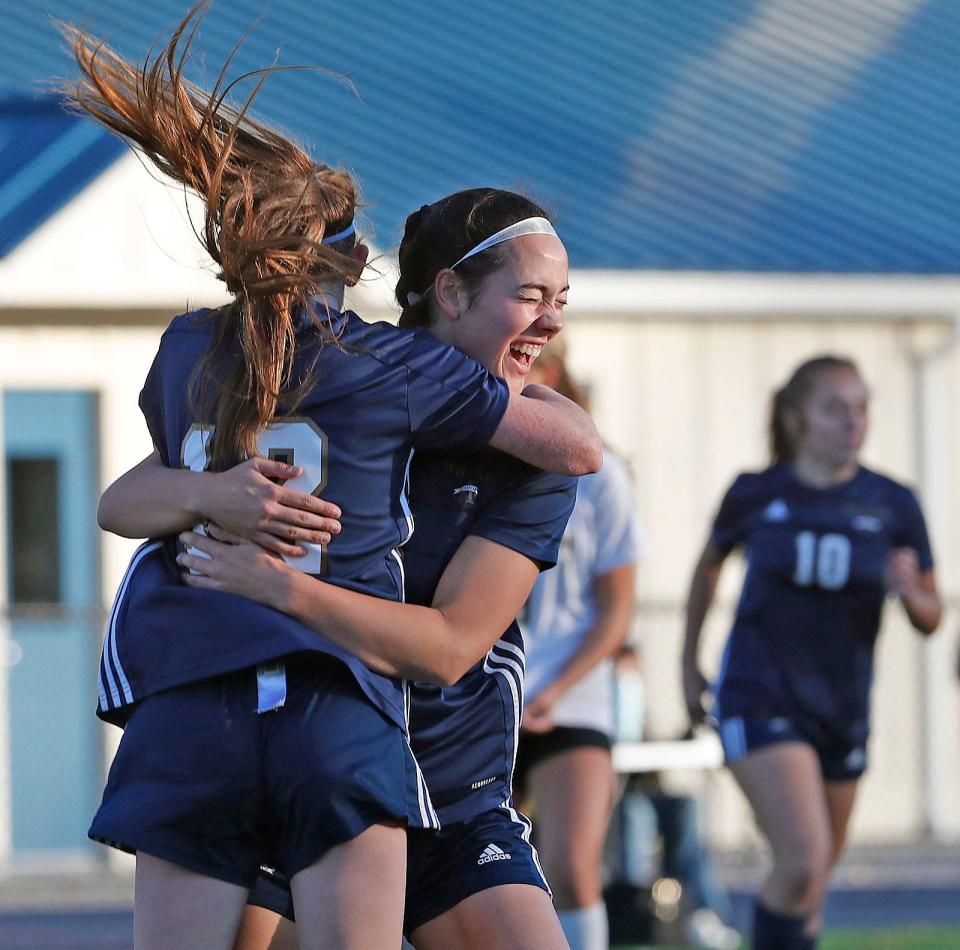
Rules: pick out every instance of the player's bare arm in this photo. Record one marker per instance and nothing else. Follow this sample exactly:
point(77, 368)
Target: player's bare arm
point(249, 500)
point(549, 431)
point(481, 591)
point(703, 585)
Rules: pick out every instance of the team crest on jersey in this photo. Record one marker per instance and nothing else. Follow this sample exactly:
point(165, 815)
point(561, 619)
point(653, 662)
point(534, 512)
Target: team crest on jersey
point(867, 523)
point(777, 510)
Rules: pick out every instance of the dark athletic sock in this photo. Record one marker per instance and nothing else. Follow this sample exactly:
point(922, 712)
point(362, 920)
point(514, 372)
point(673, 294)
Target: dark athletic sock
point(775, 931)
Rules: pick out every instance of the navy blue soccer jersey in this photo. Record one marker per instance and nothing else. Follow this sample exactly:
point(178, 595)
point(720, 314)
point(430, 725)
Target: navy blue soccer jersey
point(808, 616)
point(381, 394)
point(465, 735)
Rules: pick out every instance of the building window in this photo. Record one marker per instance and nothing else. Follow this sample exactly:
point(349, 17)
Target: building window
point(34, 549)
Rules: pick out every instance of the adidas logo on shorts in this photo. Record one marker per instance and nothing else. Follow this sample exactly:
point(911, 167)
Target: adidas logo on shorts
point(492, 853)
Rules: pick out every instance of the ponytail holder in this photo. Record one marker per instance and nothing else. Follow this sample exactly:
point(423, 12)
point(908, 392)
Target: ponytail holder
point(413, 298)
point(340, 235)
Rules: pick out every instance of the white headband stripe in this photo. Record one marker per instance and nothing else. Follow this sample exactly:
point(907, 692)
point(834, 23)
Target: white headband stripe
point(527, 226)
point(519, 229)
point(339, 236)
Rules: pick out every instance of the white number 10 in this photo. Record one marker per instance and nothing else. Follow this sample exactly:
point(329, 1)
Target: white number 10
point(824, 560)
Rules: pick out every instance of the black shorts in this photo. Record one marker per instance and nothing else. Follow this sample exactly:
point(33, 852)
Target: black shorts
point(535, 747)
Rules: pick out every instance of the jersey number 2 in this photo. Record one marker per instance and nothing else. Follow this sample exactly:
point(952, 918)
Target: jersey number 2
point(295, 441)
point(824, 560)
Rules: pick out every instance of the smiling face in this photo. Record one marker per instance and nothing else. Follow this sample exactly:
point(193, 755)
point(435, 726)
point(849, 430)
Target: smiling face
point(514, 311)
point(833, 419)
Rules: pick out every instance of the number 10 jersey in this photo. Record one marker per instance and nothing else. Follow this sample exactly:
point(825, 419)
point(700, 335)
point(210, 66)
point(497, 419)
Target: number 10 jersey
point(809, 612)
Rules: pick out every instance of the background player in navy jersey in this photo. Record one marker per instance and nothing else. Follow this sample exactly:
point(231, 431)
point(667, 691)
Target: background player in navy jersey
point(576, 619)
point(485, 525)
point(204, 778)
point(826, 540)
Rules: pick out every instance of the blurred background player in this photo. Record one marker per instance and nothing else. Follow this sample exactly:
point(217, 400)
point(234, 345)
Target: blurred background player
point(826, 540)
point(575, 622)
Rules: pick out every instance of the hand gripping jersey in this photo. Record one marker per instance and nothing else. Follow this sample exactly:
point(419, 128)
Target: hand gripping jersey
point(603, 534)
point(465, 736)
point(802, 641)
point(383, 392)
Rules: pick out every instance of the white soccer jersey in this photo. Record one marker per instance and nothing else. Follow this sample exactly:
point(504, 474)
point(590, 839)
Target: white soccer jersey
point(602, 534)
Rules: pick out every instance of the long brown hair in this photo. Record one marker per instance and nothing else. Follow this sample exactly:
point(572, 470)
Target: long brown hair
point(267, 208)
point(790, 398)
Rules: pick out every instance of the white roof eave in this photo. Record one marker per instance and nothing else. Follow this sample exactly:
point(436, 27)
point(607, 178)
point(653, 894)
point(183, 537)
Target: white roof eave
point(692, 294)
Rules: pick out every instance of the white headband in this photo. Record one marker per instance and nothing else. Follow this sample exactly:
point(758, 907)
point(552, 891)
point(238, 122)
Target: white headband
point(521, 228)
point(527, 226)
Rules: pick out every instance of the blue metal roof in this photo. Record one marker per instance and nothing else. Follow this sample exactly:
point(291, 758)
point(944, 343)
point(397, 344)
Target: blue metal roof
point(46, 157)
point(728, 135)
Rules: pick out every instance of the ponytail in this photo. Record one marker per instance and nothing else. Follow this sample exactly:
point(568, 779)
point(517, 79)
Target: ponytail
point(267, 207)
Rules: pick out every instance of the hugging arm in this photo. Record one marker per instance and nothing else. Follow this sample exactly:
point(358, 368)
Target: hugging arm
point(549, 431)
point(435, 644)
point(151, 500)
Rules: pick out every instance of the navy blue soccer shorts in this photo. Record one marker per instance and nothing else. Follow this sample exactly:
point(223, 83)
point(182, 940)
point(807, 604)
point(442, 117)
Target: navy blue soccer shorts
point(842, 752)
point(202, 780)
point(447, 866)
point(444, 867)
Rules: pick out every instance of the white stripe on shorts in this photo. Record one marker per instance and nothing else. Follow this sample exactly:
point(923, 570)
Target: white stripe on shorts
point(527, 825)
point(110, 653)
point(428, 815)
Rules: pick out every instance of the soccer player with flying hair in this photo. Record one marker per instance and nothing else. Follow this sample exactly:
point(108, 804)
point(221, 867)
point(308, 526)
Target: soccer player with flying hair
point(247, 732)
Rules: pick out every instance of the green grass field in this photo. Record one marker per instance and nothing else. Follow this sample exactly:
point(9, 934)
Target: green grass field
point(908, 938)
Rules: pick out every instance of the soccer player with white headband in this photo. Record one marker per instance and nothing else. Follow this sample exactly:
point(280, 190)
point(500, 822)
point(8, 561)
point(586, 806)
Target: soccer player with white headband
point(484, 271)
point(246, 730)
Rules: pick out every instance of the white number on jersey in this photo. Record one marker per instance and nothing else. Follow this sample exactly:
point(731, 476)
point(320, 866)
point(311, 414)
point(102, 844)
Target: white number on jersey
point(824, 560)
point(296, 441)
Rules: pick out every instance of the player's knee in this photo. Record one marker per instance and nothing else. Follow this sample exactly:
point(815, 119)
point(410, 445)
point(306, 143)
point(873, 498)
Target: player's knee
point(802, 876)
point(575, 881)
